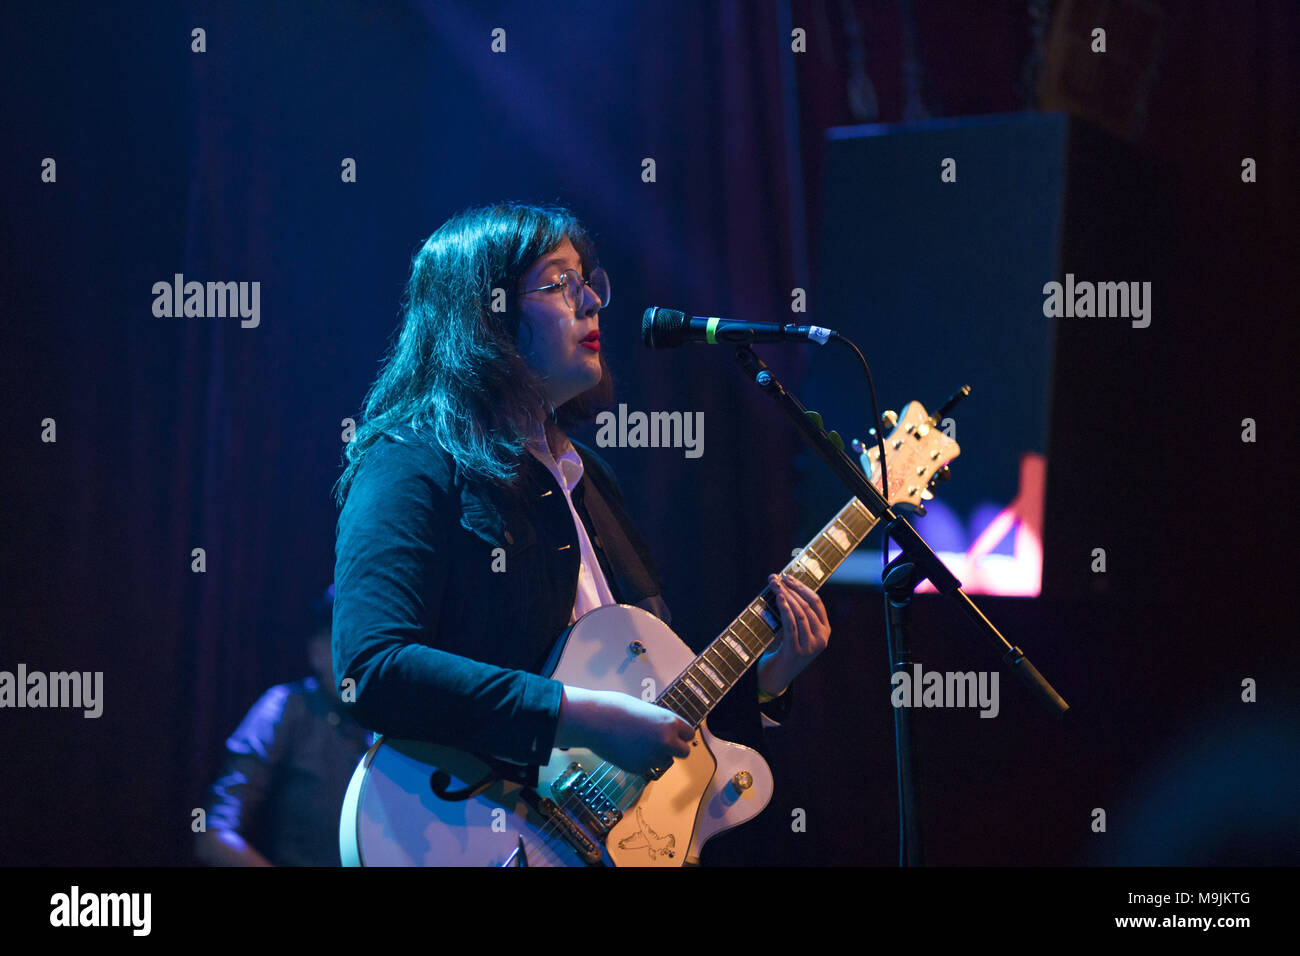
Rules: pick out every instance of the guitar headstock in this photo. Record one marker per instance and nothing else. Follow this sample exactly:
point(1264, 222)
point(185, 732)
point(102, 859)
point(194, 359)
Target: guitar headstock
point(918, 455)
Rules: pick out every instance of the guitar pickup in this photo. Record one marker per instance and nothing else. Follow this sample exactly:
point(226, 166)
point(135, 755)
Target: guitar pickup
point(580, 795)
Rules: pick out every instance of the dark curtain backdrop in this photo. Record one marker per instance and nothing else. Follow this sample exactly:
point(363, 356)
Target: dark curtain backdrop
point(176, 434)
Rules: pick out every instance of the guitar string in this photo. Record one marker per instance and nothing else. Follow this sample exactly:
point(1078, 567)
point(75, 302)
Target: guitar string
point(606, 770)
point(604, 776)
point(681, 707)
point(601, 776)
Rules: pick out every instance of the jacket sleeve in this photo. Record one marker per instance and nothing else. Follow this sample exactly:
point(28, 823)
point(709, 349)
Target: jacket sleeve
point(393, 566)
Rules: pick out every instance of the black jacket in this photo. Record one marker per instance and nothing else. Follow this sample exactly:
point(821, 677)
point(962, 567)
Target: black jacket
point(441, 646)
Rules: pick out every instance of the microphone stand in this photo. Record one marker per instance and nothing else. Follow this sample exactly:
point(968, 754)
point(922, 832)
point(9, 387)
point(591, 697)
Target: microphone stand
point(900, 583)
point(915, 564)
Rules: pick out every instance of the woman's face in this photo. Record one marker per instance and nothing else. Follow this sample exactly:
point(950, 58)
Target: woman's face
point(563, 348)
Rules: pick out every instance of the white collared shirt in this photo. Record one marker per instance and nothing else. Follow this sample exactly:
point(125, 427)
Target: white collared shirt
point(593, 591)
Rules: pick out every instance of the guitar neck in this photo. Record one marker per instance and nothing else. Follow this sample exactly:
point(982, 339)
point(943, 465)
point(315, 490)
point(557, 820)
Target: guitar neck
point(722, 664)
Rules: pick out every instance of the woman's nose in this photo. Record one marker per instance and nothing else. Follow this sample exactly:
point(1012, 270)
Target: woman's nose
point(591, 303)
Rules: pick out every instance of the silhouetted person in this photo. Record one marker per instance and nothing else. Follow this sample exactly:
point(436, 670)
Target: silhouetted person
point(279, 797)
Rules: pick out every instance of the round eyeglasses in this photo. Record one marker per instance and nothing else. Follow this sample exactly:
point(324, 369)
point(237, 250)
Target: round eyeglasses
point(571, 285)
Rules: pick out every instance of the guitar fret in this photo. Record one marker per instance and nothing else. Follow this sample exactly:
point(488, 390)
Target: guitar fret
point(696, 689)
point(674, 696)
point(862, 514)
point(692, 708)
point(726, 666)
point(770, 618)
point(828, 545)
point(701, 705)
point(800, 573)
point(725, 660)
point(812, 566)
point(837, 535)
point(711, 674)
point(757, 637)
point(736, 645)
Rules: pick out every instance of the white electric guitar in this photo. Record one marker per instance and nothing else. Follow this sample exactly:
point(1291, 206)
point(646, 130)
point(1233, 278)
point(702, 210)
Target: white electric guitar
point(412, 803)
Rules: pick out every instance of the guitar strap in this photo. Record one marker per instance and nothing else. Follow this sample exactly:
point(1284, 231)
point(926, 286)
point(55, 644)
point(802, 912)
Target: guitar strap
point(629, 569)
point(624, 558)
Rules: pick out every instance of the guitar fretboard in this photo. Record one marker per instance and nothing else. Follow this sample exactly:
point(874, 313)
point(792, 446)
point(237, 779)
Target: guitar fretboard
point(719, 668)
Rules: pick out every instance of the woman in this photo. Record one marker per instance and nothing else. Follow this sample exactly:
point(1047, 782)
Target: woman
point(473, 531)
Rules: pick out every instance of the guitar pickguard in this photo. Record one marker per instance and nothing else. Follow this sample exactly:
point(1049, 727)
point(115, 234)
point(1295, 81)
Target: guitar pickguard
point(671, 819)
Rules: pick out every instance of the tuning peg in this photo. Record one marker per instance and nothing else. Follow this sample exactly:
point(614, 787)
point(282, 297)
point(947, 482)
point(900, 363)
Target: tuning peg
point(926, 494)
point(948, 406)
point(813, 417)
point(857, 447)
point(836, 440)
point(943, 474)
point(889, 419)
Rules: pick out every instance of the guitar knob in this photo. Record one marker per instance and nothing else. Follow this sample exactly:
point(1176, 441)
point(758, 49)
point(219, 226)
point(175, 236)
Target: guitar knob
point(743, 780)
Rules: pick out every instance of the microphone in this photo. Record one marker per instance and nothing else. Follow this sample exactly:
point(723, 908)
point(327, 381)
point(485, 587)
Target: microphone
point(668, 329)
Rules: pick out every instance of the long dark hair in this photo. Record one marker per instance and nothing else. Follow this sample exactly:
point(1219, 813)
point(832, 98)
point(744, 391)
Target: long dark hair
point(455, 373)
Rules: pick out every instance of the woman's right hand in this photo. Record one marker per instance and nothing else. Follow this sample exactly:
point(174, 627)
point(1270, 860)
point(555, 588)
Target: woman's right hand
point(628, 732)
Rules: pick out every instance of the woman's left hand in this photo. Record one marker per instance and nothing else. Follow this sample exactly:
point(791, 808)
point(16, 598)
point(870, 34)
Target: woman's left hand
point(805, 632)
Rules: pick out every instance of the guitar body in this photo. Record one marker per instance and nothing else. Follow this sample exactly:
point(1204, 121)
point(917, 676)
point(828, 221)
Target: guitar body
point(392, 816)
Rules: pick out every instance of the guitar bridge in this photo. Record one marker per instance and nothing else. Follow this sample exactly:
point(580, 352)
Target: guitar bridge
point(578, 794)
point(587, 850)
point(572, 834)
